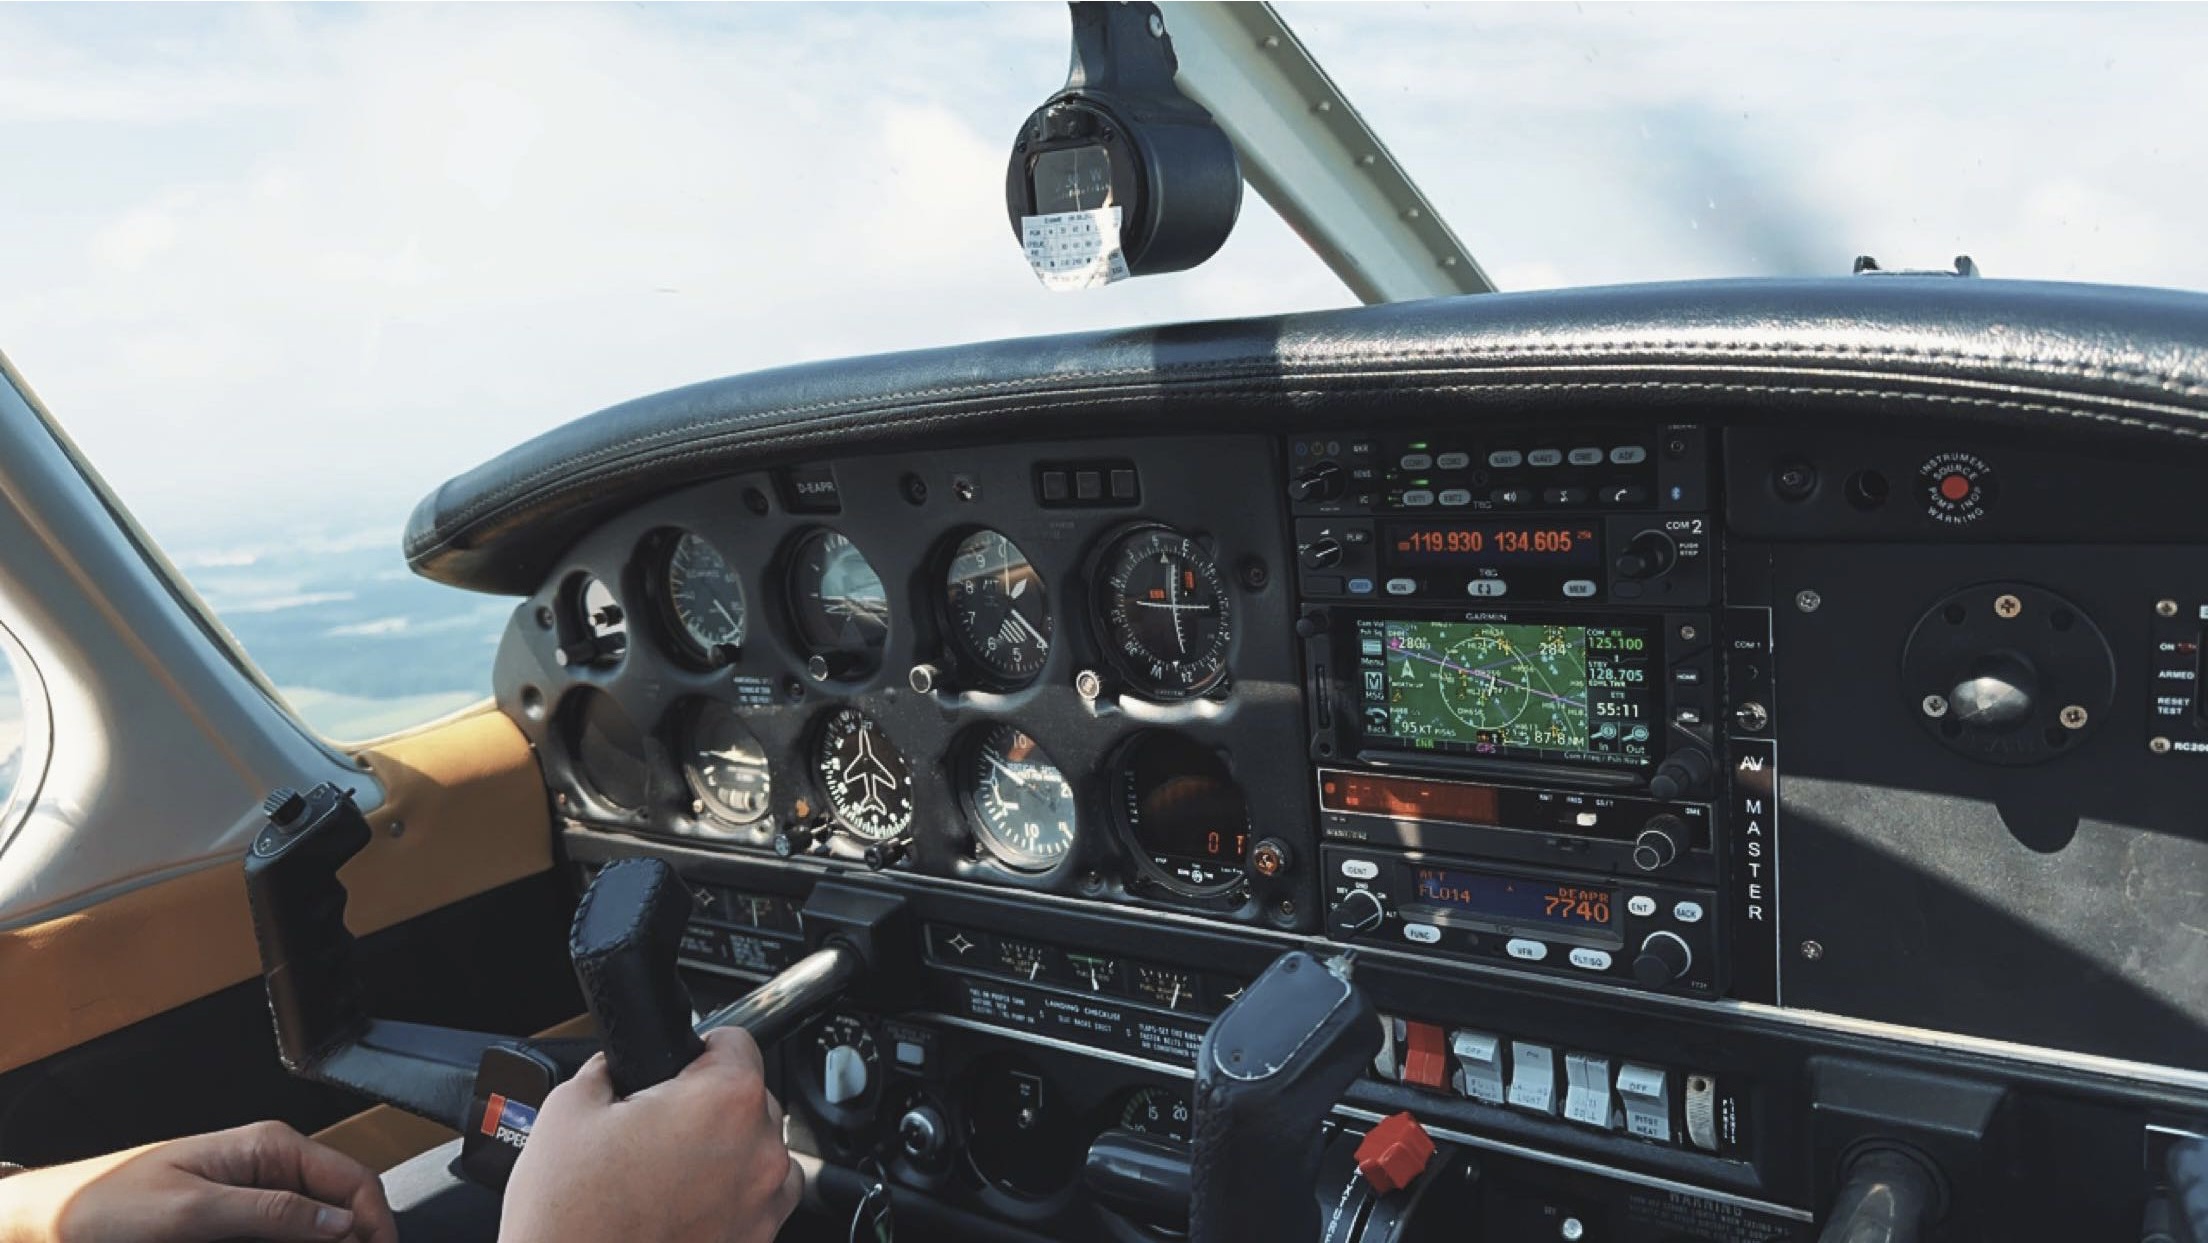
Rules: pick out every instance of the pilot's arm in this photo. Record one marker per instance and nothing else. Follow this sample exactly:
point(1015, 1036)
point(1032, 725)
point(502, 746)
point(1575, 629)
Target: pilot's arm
point(697, 1158)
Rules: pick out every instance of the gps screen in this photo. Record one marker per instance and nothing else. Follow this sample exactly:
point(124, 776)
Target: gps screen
point(1578, 694)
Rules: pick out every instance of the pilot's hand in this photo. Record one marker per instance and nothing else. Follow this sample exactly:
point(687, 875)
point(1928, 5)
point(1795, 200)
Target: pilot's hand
point(697, 1158)
point(264, 1181)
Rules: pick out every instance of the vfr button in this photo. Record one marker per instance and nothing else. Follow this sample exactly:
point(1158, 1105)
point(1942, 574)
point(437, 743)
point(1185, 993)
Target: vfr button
point(1425, 1059)
point(1533, 1077)
point(1587, 1090)
point(1479, 1073)
point(1529, 951)
point(1643, 1092)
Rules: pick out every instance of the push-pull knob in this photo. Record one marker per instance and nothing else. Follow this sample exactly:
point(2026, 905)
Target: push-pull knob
point(1664, 957)
point(1320, 482)
point(1659, 842)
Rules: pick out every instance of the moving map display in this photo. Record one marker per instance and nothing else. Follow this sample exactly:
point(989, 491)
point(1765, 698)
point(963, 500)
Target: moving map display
point(1537, 691)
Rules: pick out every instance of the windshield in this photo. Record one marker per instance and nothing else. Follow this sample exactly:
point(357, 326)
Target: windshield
point(1574, 144)
point(283, 270)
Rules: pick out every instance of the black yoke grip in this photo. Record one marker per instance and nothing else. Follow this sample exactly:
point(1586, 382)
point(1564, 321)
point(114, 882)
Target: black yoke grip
point(1269, 1072)
point(626, 933)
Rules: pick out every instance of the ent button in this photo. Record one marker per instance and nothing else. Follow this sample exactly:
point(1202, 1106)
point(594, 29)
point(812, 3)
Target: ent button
point(1533, 1077)
point(1641, 1089)
point(1587, 1089)
point(1479, 1066)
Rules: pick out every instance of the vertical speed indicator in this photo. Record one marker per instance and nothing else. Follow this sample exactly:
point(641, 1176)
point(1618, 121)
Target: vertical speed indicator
point(1163, 612)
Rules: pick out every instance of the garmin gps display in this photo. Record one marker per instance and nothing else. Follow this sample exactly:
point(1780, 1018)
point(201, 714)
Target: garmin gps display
point(1561, 693)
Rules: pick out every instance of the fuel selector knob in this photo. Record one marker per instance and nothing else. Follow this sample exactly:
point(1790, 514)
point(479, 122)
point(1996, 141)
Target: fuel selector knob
point(1360, 911)
point(1321, 481)
point(921, 1133)
point(1664, 957)
point(843, 1075)
point(1658, 843)
point(1646, 555)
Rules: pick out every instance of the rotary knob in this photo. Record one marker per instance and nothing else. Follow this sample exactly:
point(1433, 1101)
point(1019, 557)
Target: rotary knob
point(1321, 553)
point(1360, 911)
point(920, 1132)
point(1664, 957)
point(1658, 843)
point(1647, 555)
point(843, 1075)
point(1322, 481)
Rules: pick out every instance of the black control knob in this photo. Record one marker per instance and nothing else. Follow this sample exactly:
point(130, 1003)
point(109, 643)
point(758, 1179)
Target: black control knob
point(1683, 774)
point(921, 1132)
point(1646, 555)
point(1360, 911)
point(1664, 957)
point(796, 839)
point(1320, 553)
point(1321, 481)
point(1659, 842)
point(886, 854)
point(831, 666)
point(1996, 691)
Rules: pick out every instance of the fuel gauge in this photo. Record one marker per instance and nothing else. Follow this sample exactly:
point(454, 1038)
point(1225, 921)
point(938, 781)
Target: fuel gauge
point(1169, 988)
point(1096, 973)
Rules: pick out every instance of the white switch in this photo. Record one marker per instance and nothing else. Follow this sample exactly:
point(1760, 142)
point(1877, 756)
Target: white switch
point(1701, 1112)
point(1643, 1092)
point(1386, 1063)
point(1587, 1089)
point(1479, 1066)
point(843, 1075)
point(1533, 1077)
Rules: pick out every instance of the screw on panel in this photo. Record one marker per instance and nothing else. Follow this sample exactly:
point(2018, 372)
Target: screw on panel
point(1157, 26)
point(2159, 745)
point(2073, 717)
point(397, 828)
point(1812, 950)
point(697, 807)
point(544, 616)
point(1087, 684)
point(2165, 608)
point(1935, 706)
point(1807, 601)
point(2006, 606)
point(1687, 633)
point(1571, 1230)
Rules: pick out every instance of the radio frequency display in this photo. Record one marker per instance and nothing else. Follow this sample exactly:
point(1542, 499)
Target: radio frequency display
point(1572, 693)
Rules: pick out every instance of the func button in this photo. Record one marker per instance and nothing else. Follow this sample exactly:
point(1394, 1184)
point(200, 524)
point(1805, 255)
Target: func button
point(1424, 934)
point(1529, 951)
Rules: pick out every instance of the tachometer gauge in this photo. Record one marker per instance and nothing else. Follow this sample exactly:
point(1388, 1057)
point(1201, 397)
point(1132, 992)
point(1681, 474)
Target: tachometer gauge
point(1163, 613)
point(868, 783)
point(999, 610)
point(1022, 807)
point(703, 601)
point(725, 765)
point(1189, 821)
point(1160, 1113)
point(839, 605)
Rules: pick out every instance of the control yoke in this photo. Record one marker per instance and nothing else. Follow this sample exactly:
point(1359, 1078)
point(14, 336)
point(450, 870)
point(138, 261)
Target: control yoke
point(485, 1086)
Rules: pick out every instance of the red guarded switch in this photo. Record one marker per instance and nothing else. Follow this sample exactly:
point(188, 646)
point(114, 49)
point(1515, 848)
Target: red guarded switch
point(1394, 1153)
point(1425, 1056)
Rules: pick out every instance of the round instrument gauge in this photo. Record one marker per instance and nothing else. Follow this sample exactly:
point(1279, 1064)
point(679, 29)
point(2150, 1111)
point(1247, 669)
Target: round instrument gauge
point(1188, 819)
point(839, 604)
point(1160, 1113)
point(868, 782)
point(999, 608)
point(725, 765)
point(1021, 806)
point(607, 747)
point(1163, 613)
point(702, 599)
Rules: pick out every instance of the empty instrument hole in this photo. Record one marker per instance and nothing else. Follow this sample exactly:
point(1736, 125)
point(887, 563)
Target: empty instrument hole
point(1866, 489)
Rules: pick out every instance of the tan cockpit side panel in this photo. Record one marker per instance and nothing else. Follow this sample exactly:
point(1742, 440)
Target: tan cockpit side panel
point(464, 812)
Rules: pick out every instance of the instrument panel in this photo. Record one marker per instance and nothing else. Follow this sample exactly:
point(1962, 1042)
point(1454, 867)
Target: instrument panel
point(1499, 706)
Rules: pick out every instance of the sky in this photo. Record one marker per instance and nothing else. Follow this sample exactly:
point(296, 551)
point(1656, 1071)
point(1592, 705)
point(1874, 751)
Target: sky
point(281, 268)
